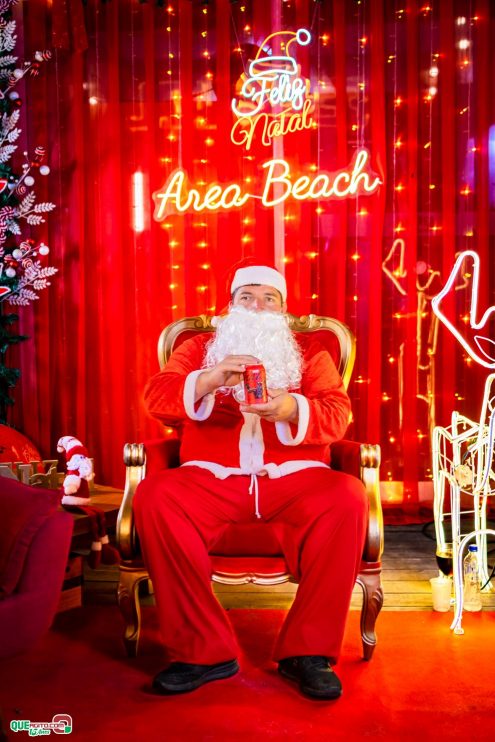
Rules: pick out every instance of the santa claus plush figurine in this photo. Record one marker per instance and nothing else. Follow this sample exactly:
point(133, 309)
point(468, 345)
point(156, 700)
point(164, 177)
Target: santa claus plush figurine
point(75, 498)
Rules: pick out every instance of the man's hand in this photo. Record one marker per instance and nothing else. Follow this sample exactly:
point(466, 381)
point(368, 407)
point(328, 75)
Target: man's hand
point(280, 407)
point(226, 373)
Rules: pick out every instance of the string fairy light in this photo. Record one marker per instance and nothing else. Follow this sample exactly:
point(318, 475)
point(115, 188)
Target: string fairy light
point(466, 182)
point(465, 67)
point(174, 154)
point(247, 209)
point(315, 273)
point(426, 321)
point(359, 128)
point(429, 98)
point(206, 98)
point(393, 264)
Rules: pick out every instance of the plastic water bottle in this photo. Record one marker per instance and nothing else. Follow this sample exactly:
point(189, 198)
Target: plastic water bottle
point(472, 595)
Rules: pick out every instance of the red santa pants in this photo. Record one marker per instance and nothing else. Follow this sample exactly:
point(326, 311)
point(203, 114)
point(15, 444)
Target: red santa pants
point(319, 517)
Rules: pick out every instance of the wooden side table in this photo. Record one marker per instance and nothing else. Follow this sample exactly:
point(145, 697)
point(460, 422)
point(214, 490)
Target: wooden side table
point(108, 499)
point(104, 497)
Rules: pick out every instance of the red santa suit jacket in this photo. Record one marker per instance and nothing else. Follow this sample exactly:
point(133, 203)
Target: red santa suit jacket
point(217, 436)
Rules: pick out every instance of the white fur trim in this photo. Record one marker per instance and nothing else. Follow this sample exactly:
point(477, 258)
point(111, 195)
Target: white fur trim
point(73, 443)
point(104, 540)
point(96, 546)
point(71, 484)
point(219, 471)
point(251, 444)
point(74, 500)
point(284, 433)
point(259, 275)
point(290, 467)
point(62, 442)
point(206, 405)
point(273, 471)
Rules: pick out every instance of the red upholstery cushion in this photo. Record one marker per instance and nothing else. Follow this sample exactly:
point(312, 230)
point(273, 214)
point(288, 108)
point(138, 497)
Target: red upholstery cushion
point(161, 454)
point(16, 447)
point(23, 509)
point(329, 341)
point(345, 456)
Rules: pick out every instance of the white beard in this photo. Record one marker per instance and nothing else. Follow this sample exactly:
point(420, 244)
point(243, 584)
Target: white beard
point(264, 335)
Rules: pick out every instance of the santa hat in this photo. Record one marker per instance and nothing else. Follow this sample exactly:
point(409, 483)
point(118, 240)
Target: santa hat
point(261, 275)
point(69, 444)
point(79, 471)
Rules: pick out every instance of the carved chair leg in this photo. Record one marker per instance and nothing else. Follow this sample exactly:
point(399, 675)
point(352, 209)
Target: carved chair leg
point(370, 582)
point(128, 600)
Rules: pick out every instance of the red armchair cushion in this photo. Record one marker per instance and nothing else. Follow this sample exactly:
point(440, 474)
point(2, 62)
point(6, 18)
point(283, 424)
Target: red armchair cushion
point(345, 456)
point(23, 510)
point(253, 539)
point(161, 454)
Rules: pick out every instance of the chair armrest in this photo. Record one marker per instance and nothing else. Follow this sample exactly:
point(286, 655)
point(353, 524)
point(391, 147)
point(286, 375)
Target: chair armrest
point(363, 461)
point(140, 459)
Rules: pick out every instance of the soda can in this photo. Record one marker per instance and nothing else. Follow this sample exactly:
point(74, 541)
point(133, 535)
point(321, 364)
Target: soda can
point(255, 384)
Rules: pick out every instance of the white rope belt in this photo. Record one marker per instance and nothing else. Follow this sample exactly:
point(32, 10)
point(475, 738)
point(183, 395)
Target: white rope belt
point(254, 486)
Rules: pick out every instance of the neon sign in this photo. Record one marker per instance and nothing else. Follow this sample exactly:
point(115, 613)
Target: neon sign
point(273, 80)
point(244, 129)
point(400, 272)
point(177, 197)
point(487, 358)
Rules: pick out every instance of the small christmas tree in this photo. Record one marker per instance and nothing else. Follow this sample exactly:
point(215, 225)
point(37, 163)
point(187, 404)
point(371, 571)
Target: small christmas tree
point(22, 274)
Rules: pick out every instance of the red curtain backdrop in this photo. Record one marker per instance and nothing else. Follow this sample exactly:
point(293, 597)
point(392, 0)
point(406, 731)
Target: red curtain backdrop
point(146, 87)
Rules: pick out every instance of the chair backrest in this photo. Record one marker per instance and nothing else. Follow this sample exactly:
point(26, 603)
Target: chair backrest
point(334, 335)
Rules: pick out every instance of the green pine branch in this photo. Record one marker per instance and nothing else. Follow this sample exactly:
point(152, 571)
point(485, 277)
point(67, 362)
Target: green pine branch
point(8, 376)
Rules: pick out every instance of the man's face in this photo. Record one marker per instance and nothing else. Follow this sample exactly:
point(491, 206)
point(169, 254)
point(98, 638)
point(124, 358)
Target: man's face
point(258, 299)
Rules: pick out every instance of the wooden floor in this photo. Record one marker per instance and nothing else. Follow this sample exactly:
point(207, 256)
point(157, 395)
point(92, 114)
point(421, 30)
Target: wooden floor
point(408, 564)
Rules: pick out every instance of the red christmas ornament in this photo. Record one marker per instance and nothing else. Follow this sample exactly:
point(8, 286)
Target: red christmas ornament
point(39, 153)
point(43, 56)
point(16, 447)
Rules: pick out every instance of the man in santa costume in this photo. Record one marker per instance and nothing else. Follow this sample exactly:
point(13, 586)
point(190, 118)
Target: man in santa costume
point(244, 463)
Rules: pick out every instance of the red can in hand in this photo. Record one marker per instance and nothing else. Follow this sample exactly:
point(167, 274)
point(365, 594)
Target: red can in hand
point(255, 384)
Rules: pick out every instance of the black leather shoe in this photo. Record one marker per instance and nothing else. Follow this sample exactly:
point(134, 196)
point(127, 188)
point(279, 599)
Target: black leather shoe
point(181, 677)
point(315, 676)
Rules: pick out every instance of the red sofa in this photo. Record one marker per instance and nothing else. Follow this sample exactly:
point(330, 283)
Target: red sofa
point(35, 539)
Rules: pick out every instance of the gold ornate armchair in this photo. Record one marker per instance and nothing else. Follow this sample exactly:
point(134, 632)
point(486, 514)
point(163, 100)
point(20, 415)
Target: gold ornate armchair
point(242, 556)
